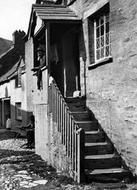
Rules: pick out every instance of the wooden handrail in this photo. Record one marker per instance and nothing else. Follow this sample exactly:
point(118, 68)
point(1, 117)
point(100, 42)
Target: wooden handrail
point(72, 137)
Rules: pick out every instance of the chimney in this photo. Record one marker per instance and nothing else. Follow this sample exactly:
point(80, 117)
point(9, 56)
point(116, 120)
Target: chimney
point(18, 41)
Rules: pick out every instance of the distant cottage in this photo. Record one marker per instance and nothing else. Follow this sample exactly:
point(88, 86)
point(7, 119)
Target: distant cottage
point(12, 83)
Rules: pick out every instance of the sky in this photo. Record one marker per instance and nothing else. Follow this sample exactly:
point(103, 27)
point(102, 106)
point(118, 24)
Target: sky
point(14, 15)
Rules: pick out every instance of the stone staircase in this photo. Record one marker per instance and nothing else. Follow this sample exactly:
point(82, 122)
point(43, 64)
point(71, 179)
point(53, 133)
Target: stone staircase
point(101, 160)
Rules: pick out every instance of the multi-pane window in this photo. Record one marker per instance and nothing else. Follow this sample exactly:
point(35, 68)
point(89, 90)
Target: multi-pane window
point(102, 37)
point(18, 110)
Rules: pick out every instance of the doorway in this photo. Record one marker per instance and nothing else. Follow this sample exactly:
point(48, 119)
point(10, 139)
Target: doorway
point(6, 111)
point(64, 57)
point(71, 63)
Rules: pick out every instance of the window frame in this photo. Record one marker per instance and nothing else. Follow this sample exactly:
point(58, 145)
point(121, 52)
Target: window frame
point(92, 37)
point(38, 40)
point(18, 111)
point(102, 36)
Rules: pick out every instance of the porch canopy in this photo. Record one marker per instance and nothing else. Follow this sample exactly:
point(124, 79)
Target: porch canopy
point(54, 12)
point(50, 13)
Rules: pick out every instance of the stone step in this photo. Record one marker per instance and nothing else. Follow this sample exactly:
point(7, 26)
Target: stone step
point(82, 116)
point(76, 100)
point(94, 136)
point(102, 161)
point(98, 148)
point(76, 107)
point(88, 125)
point(107, 175)
point(76, 104)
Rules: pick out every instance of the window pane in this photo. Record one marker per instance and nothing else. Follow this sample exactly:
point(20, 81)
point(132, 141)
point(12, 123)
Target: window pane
point(97, 32)
point(107, 27)
point(102, 41)
point(102, 52)
point(102, 30)
point(98, 54)
point(98, 43)
point(107, 51)
point(107, 38)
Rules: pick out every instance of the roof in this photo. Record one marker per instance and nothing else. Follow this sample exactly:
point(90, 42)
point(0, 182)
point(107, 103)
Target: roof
point(12, 71)
point(5, 45)
point(54, 12)
point(7, 60)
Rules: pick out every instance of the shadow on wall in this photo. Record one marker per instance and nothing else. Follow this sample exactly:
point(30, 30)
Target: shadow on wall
point(18, 117)
point(107, 139)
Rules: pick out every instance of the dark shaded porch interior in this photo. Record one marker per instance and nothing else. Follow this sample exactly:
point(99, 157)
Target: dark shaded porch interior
point(64, 57)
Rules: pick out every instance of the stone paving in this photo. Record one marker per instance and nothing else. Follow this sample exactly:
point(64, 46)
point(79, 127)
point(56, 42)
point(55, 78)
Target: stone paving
point(22, 169)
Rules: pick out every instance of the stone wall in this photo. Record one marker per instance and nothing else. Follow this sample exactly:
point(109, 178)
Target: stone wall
point(57, 153)
point(29, 60)
point(8, 90)
point(111, 88)
point(37, 102)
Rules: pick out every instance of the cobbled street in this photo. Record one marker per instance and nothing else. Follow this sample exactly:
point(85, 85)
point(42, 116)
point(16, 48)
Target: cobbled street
point(22, 169)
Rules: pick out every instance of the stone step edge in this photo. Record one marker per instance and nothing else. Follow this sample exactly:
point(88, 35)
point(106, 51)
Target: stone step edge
point(85, 122)
point(105, 171)
point(104, 156)
point(80, 112)
point(97, 144)
point(94, 132)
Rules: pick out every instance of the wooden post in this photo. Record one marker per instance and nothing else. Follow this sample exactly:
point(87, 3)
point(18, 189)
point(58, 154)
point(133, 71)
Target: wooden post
point(80, 157)
point(47, 50)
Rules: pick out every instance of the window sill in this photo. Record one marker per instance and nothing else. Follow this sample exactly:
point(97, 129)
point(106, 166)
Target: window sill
point(35, 69)
point(18, 86)
point(101, 62)
point(44, 68)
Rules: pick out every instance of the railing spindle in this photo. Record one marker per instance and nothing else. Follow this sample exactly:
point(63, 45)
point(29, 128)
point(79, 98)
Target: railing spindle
point(71, 135)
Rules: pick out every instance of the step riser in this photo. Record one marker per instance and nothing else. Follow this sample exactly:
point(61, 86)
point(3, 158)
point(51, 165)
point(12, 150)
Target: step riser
point(89, 126)
point(77, 108)
point(102, 163)
point(109, 177)
point(99, 137)
point(81, 116)
point(75, 101)
point(97, 150)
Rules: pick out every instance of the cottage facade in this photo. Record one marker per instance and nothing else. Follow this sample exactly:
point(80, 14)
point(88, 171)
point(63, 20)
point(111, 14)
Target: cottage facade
point(13, 85)
point(90, 66)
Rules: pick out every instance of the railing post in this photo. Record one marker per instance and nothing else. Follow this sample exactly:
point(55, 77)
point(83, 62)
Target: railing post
point(80, 156)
